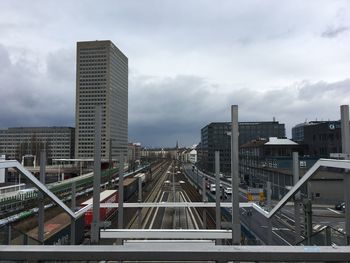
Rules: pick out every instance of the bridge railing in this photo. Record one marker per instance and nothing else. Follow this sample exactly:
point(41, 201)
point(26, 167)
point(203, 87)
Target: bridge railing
point(175, 251)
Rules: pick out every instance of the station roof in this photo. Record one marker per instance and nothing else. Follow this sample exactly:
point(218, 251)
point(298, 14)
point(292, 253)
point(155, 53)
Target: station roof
point(278, 141)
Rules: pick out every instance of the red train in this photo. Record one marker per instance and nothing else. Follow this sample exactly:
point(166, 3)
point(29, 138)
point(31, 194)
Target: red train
point(107, 196)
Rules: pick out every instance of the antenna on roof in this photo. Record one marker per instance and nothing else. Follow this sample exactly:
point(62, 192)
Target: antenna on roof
point(274, 118)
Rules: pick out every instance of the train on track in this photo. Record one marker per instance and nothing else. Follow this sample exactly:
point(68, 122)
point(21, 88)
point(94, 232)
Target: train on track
point(107, 196)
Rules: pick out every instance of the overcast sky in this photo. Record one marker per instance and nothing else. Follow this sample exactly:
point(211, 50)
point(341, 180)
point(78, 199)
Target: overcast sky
point(188, 61)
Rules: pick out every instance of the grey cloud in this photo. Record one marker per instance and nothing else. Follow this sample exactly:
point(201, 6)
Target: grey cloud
point(60, 65)
point(30, 97)
point(163, 110)
point(332, 32)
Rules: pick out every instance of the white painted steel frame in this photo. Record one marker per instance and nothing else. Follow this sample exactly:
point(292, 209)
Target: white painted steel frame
point(166, 233)
point(37, 183)
point(175, 251)
point(342, 164)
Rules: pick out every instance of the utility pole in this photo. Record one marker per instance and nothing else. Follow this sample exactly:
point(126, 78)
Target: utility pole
point(41, 213)
point(139, 200)
point(95, 226)
point(174, 198)
point(110, 166)
point(204, 199)
point(217, 193)
point(296, 197)
point(73, 206)
point(308, 214)
point(236, 225)
point(345, 138)
point(121, 194)
point(269, 206)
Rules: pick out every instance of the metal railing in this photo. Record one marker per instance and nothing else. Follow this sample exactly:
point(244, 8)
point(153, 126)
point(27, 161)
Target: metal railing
point(175, 251)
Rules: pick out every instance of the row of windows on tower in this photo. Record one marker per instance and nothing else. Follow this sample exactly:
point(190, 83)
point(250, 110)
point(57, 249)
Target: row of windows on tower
point(91, 64)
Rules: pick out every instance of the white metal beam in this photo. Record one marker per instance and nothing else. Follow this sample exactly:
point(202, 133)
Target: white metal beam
point(345, 164)
point(41, 187)
point(177, 252)
point(166, 233)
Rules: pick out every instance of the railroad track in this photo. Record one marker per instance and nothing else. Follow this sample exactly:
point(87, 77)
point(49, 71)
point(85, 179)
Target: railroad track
point(157, 183)
point(196, 197)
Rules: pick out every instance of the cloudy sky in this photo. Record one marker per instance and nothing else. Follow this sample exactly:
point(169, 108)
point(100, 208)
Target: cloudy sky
point(188, 61)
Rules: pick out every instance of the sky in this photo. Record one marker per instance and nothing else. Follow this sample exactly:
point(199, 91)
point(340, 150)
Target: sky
point(189, 61)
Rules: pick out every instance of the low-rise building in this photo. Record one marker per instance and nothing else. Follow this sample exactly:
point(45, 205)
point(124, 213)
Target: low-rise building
point(30, 141)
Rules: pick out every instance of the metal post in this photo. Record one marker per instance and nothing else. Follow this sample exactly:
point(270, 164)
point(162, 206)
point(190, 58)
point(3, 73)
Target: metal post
point(95, 226)
point(217, 193)
point(9, 234)
point(41, 215)
point(296, 197)
point(174, 197)
point(345, 138)
point(236, 226)
point(328, 237)
point(73, 206)
point(269, 206)
point(308, 214)
point(121, 194)
point(59, 172)
point(110, 166)
point(204, 199)
point(139, 200)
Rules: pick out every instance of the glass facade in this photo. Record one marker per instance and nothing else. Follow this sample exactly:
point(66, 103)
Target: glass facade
point(215, 137)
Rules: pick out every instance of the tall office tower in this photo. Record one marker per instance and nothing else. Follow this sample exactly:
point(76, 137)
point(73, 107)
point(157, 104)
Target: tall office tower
point(102, 78)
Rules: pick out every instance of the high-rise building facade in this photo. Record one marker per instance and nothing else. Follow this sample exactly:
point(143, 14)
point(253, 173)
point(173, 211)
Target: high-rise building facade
point(102, 78)
point(320, 137)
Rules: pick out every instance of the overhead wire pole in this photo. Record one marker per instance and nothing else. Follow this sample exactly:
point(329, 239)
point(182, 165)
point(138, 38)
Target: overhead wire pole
point(110, 165)
point(41, 213)
point(95, 226)
point(269, 205)
point(139, 200)
point(217, 193)
point(174, 197)
point(236, 225)
point(296, 197)
point(73, 207)
point(204, 199)
point(345, 139)
point(121, 196)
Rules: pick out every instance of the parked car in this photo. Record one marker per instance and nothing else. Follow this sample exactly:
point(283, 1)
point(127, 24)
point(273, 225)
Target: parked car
point(228, 192)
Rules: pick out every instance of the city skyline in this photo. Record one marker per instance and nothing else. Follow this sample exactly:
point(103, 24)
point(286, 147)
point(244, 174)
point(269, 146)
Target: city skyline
point(188, 63)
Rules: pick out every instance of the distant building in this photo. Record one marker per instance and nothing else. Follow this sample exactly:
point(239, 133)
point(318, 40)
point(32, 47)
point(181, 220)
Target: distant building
point(192, 156)
point(134, 152)
point(271, 160)
point(320, 137)
point(102, 78)
point(215, 137)
point(188, 155)
point(18, 142)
